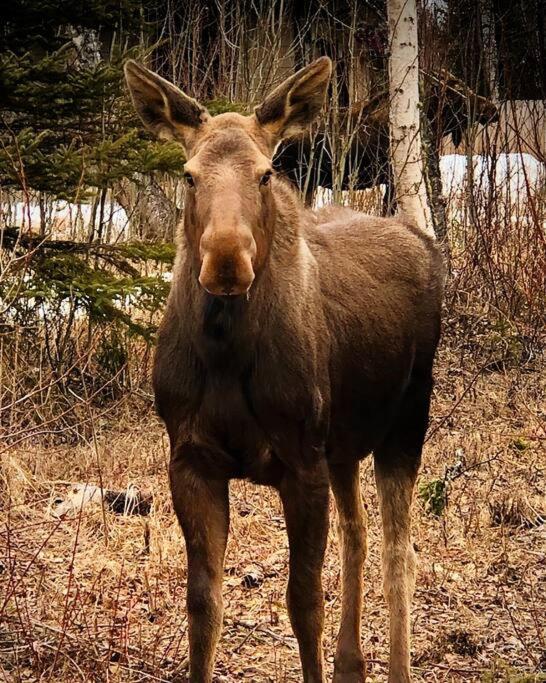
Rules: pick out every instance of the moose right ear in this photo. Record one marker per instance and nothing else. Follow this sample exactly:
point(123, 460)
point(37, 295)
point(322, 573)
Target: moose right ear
point(164, 109)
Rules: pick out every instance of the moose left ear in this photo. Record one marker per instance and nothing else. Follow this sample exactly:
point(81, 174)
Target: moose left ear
point(164, 109)
point(294, 104)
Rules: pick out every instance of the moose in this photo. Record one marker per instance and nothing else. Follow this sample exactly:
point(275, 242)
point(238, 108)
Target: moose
point(293, 344)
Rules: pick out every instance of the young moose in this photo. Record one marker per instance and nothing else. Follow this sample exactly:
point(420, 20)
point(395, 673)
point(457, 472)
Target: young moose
point(294, 343)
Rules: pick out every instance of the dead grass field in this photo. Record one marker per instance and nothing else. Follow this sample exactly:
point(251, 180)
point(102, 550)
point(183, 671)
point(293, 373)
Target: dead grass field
point(100, 597)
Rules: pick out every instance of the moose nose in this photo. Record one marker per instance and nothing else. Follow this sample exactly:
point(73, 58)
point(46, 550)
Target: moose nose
point(227, 255)
point(226, 277)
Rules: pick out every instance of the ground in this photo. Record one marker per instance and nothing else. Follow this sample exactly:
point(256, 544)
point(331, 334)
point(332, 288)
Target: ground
point(100, 597)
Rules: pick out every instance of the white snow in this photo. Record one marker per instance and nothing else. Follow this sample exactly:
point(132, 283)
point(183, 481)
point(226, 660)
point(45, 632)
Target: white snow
point(512, 177)
point(62, 218)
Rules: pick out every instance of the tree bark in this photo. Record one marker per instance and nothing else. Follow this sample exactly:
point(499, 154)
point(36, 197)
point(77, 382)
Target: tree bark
point(489, 48)
point(404, 125)
point(433, 176)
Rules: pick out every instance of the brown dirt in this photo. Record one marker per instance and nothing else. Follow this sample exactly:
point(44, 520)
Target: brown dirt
point(100, 597)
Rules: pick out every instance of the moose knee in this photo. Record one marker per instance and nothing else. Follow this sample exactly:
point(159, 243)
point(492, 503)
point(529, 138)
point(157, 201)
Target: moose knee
point(357, 532)
point(204, 596)
point(304, 594)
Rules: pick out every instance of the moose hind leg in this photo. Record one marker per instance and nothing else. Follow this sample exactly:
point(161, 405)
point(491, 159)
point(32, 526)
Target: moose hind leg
point(349, 664)
point(396, 464)
point(305, 497)
point(202, 508)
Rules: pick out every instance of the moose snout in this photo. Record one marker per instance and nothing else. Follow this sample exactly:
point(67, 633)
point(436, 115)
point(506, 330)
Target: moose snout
point(227, 262)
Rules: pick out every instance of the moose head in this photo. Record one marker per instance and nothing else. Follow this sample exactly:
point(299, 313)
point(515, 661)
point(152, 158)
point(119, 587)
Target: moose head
point(229, 212)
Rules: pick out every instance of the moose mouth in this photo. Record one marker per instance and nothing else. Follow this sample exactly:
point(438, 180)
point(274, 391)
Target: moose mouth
point(229, 298)
point(228, 293)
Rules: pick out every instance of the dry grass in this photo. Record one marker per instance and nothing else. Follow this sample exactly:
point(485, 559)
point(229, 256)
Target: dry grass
point(100, 597)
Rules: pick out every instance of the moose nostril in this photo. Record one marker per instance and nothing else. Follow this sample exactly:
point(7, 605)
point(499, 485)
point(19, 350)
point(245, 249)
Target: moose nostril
point(228, 290)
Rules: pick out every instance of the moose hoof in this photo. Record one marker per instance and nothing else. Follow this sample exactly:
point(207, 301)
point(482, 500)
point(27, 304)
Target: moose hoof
point(352, 671)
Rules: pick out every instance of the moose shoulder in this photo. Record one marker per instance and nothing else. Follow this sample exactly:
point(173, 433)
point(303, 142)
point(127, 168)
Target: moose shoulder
point(294, 343)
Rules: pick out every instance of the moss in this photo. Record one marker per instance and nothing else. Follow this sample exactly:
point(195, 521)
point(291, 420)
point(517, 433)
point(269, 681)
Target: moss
point(519, 444)
point(433, 495)
point(501, 674)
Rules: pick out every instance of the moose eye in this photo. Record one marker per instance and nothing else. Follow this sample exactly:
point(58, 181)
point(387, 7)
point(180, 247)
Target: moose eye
point(266, 177)
point(189, 179)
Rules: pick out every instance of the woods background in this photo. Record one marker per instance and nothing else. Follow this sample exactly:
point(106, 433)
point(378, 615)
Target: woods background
point(88, 211)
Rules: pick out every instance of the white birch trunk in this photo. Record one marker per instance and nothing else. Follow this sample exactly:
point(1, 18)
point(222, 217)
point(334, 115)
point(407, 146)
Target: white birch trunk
point(405, 136)
point(489, 42)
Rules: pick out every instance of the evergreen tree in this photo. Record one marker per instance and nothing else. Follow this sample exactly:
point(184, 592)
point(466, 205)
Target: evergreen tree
point(67, 128)
point(68, 131)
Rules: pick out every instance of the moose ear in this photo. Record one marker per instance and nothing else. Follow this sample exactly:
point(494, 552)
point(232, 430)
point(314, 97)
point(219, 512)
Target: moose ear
point(296, 102)
point(163, 108)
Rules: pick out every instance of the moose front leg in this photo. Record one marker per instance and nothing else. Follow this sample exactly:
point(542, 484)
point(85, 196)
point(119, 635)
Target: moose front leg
point(202, 508)
point(304, 496)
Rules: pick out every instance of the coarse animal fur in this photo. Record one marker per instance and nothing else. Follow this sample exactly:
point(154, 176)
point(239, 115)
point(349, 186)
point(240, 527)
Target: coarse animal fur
point(294, 343)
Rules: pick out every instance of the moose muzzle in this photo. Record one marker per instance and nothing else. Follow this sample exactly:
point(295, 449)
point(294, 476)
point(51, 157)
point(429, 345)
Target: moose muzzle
point(227, 257)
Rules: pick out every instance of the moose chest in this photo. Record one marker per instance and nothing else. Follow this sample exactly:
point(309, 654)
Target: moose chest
point(251, 432)
point(253, 402)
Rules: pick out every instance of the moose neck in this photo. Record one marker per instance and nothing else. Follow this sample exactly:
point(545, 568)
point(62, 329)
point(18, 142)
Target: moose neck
point(229, 327)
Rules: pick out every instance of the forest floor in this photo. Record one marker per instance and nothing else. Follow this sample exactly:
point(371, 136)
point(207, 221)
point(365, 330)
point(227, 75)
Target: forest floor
point(100, 597)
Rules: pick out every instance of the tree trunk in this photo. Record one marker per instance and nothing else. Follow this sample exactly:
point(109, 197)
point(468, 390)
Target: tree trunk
point(489, 48)
point(433, 176)
point(405, 134)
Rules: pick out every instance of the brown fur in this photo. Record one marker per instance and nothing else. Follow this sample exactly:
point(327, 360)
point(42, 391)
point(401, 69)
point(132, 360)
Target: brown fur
point(326, 358)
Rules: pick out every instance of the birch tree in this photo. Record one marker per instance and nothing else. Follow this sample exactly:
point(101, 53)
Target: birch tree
point(405, 135)
point(489, 43)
